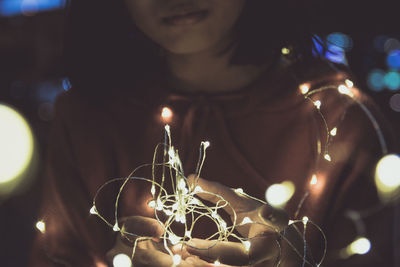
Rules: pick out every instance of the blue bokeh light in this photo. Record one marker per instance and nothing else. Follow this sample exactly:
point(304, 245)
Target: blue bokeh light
point(393, 59)
point(341, 40)
point(375, 80)
point(17, 7)
point(392, 80)
point(66, 84)
point(336, 54)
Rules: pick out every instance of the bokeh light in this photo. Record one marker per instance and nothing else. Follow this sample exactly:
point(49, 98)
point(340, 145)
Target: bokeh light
point(41, 226)
point(392, 80)
point(28, 7)
point(16, 142)
point(391, 44)
point(359, 246)
point(340, 40)
point(336, 54)
point(277, 195)
point(394, 102)
point(375, 80)
point(393, 59)
point(122, 260)
point(388, 171)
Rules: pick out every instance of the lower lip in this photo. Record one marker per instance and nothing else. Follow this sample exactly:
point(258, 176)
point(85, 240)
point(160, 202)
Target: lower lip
point(188, 19)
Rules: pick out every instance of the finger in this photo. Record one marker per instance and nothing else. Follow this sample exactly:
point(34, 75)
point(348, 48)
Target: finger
point(141, 226)
point(151, 258)
point(274, 217)
point(215, 192)
point(261, 248)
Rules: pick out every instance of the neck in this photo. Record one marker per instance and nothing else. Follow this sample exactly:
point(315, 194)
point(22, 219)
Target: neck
point(205, 72)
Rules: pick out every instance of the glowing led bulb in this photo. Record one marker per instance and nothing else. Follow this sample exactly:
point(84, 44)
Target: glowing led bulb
point(285, 50)
point(317, 104)
point(167, 128)
point(217, 263)
point(214, 214)
point(151, 204)
point(304, 88)
point(194, 201)
point(93, 210)
point(153, 190)
point(247, 245)
point(305, 220)
point(122, 260)
point(238, 191)
point(116, 227)
point(206, 144)
point(343, 89)
point(246, 220)
point(314, 180)
point(290, 222)
point(181, 184)
point(168, 212)
point(333, 131)
point(198, 189)
point(41, 226)
point(188, 234)
point(166, 113)
point(278, 195)
point(159, 205)
point(349, 83)
point(223, 225)
point(174, 239)
point(327, 157)
point(388, 171)
point(176, 259)
point(359, 246)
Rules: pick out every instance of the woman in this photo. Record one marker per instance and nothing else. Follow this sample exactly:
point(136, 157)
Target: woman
point(214, 70)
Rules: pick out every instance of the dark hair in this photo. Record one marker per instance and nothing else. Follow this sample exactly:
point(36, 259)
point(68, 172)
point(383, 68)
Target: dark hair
point(104, 50)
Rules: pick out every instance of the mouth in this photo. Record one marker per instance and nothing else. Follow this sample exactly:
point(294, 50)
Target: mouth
point(187, 18)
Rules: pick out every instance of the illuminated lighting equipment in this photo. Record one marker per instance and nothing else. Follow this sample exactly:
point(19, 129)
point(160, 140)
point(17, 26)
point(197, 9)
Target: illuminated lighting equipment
point(305, 220)
point(336, 54)
point(333, 132)
point(349, 83)
point(17, 145)
point(217, 263)
point(166, 114)
point(41, 226)
point(246, 220)
point(285, 51)
point(277, 195)
point(393, 59)
point(343, 89)
point(327, 157)
point(317, 104)
point(239, 191)
point(340, 40)
point(176, 259)
point(359, 246)
point(304, 88)
point(314, 180)
point(392, 80)
point(122, 260)
point(394, 102)
point(66, 84)
point(247, 245)
point(93, 210)
point(387, 175)
point(116, 227)
point(17, 7)
point(375, 80)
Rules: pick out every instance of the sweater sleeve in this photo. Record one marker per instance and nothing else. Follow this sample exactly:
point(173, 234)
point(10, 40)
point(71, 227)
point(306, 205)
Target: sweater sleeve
point(69, 228)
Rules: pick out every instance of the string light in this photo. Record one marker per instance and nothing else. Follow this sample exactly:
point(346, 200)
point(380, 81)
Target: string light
point(166, 114)
point(41, 226)
point(285, 50)
point(122, 260)
point(181, 202)
point(359, 246)
point(217, 263)
point(93, 210)
point(277, 195)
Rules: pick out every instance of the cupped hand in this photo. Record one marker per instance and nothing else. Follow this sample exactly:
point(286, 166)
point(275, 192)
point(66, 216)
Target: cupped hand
point(263, 232)
point(149, 252)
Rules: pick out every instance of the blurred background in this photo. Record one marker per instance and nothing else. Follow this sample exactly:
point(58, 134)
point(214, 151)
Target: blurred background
point(366, 36)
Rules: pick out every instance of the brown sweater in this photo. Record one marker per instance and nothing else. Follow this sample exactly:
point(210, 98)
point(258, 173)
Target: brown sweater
point(263, 134)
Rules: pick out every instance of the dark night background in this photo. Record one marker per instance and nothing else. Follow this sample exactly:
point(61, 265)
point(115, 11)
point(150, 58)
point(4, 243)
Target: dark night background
point(31, 76)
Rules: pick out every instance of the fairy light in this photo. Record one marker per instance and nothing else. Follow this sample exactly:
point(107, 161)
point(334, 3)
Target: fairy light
point(181, 202)
point(116, 227)
point(122, 260)
point(359, 246)
point(327, 157)
point(246, 220)
point(239, 191)
point(217, 263)
point(314, 180)
point(93, 210)
point(166, 114)
point(41, 226)
point(285, 51)
point(246, 245)
point(277, 195)
point(176, 259)
point(304, 88)
point(317, 104)
point(151, 204)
